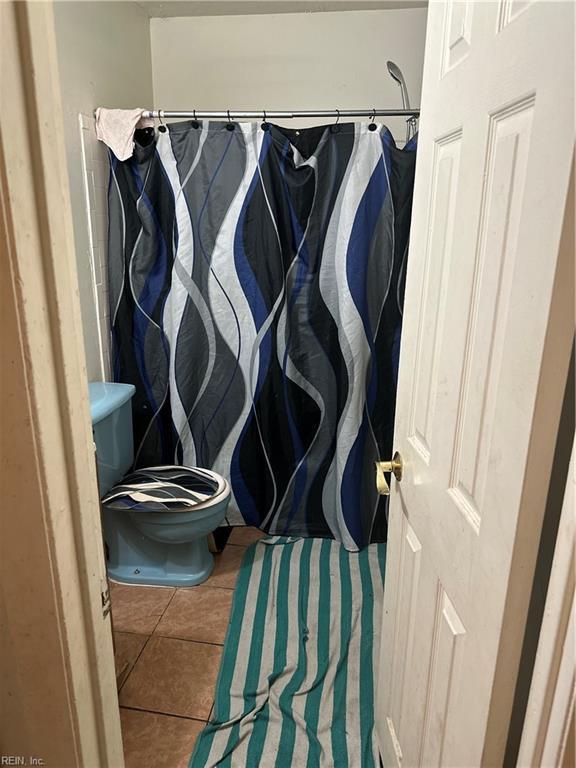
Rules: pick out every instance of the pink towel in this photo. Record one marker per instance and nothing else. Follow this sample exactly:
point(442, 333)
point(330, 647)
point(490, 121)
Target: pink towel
point(115, 127)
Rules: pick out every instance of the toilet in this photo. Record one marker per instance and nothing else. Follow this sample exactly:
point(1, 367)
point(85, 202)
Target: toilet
point(156, 520)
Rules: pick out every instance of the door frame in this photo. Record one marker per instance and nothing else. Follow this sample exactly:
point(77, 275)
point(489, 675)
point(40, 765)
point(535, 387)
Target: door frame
point(59, 698)
point(548, 733)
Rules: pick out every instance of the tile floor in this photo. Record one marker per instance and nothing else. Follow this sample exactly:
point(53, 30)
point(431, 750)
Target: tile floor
point(168, 643)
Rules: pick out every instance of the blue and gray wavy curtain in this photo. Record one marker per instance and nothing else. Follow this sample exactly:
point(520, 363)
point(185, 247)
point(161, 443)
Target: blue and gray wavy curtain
point(256, 292)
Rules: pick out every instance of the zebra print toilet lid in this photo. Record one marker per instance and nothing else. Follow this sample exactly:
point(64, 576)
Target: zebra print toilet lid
point(167, 488)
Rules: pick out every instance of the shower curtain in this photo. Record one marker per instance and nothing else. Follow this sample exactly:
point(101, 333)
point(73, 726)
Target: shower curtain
point(256, 283)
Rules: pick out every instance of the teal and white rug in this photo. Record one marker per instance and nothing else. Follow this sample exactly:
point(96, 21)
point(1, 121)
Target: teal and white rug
point(296, 681)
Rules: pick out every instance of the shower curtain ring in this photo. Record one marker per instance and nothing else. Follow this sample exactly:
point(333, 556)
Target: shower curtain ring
point(372, 126)
point(161, 127)
point(336, 127)
point(230, 126)
point(264, 125)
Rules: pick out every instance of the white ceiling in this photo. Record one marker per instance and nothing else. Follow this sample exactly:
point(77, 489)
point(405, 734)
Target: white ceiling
point(159, 9)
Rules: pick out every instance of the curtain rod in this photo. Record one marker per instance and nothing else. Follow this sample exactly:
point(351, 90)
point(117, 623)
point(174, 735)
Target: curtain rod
point(233, 114)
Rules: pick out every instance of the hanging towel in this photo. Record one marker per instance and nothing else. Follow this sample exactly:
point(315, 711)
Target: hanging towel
point(115, 127)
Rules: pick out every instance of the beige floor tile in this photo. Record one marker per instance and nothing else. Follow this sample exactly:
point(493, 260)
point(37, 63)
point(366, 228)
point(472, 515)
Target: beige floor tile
point(157, 741)
point(243, 535)
point(138, 609)
point(176, 677)
point(226, 567)
point(127, 648)
point(197, 613)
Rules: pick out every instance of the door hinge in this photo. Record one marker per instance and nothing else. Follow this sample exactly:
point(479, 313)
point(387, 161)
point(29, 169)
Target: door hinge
point(105, 597)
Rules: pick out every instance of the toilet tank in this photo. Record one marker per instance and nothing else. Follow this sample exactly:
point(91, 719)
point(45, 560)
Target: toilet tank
point(111, 411)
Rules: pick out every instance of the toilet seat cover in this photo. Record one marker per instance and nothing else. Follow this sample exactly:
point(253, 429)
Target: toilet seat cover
point(167, 488)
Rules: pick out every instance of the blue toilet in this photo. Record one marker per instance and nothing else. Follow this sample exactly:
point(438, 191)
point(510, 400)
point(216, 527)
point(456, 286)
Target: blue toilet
point(155, 520)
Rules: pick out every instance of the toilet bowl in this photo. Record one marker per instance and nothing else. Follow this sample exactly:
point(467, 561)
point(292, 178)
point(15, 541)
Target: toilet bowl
point(155, 520)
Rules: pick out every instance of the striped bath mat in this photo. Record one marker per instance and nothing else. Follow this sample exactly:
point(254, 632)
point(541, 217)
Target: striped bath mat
point(296, 681)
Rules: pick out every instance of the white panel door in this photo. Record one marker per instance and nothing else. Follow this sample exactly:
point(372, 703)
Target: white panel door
point(493, 167)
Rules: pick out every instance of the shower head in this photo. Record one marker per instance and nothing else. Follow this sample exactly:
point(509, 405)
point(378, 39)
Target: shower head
point(396, 73)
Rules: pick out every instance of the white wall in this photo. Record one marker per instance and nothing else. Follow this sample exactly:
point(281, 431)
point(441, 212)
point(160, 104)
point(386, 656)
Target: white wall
point(284, 61)
point(104, 59)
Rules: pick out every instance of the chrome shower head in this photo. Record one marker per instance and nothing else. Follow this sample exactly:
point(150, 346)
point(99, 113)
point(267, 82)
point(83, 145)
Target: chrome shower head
point(396, 73)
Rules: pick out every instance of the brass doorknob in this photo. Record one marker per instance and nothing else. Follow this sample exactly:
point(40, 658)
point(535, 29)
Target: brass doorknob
point(395, 467)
